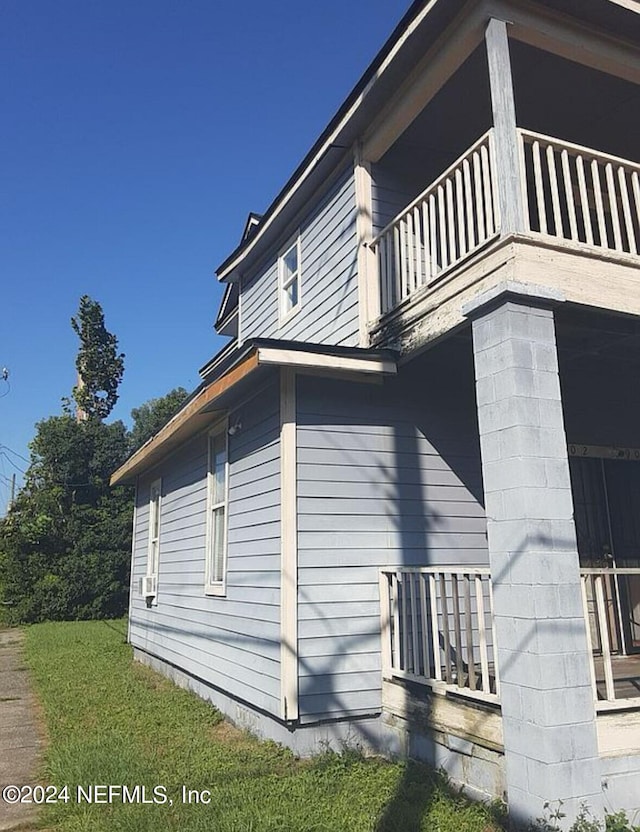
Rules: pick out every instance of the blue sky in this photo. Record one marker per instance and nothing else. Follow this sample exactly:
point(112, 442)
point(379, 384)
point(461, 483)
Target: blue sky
point(136, 136)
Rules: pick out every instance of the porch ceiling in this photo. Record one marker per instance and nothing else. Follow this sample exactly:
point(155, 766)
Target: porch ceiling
point(585, 336)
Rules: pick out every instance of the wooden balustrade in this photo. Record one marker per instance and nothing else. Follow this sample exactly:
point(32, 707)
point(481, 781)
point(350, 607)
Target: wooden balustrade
point(571, 193)
point(602, 597)
point(452, 218)
point(437, 629)
point(578, 194)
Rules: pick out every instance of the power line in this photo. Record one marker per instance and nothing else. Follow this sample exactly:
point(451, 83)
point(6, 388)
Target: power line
point(15, 453)
point(11, 462)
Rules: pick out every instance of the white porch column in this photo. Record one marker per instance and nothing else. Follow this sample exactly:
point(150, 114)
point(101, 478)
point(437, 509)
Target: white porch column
point(547, 701)
point(504, 128)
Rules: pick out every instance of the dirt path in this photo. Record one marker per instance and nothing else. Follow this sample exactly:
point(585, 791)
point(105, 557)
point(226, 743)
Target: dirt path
point(20, 743)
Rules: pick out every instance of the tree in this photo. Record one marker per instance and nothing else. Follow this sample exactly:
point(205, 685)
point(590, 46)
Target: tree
point(100, 367)
point(153, 415)
point(65, 543)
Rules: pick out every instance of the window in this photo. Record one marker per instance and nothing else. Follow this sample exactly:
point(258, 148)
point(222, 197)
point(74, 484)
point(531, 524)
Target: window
point(289, 275)
point(216, 550)
point(148, 584)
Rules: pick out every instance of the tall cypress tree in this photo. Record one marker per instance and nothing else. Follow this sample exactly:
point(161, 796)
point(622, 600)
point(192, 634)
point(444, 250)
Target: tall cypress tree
point(100, 367)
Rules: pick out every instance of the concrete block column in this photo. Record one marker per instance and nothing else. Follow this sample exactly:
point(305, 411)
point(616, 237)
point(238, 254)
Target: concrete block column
point(548, 711)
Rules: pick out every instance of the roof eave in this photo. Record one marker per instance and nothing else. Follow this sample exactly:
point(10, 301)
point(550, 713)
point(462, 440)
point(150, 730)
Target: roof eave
point(342, 130)
point(200, 410)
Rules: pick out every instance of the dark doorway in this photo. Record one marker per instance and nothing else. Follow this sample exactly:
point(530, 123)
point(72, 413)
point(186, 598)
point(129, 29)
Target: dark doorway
point(606, 498)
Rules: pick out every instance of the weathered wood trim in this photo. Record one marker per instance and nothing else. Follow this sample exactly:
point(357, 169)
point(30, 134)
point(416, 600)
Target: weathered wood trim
point(476, 723)
point(368, 277)
point(590, 277)
point(385, 627)
point(438, 65)
point(435, 310)
point(507, 161)
point(185, 423)
point(569, 38)
point(317, 361)
point(289, 547)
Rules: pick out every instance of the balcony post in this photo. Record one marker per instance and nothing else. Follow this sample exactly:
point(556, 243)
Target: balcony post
point(504, 128)
point(551, 750)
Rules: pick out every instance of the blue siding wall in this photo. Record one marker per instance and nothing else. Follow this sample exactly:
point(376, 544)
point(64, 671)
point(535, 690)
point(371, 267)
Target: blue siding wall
point(329, 311)
point(390, 196)
point(386, 476)
point(231, 642)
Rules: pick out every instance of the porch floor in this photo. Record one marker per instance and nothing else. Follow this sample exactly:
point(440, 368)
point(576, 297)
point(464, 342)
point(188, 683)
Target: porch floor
point(626, 676)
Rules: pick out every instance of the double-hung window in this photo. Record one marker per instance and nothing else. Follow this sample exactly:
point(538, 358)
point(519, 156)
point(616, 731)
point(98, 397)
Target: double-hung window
point(150, 580)
point(216, 544)
point(289, 271)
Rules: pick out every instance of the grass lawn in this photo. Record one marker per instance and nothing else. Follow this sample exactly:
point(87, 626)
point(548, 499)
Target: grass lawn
point(111, 721)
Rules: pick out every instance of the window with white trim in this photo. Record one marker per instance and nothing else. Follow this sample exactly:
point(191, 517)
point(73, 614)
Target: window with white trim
point(148, 586)
point(289, 273)
point(216, 544)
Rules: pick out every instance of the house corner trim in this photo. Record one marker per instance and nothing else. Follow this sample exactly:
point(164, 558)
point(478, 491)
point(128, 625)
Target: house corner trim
point(289, 548)
point(368, 289)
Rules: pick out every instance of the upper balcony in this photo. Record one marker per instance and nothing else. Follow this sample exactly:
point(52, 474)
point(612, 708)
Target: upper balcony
point(573, 195)
point(549, 193)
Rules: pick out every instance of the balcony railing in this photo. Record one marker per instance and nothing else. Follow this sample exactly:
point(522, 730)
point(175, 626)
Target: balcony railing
point(452, 218)
point(570, 193)
point(437, 629)
point(578, 194)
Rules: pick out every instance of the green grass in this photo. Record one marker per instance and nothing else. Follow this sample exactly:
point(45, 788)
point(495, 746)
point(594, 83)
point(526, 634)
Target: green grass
point(111, 721)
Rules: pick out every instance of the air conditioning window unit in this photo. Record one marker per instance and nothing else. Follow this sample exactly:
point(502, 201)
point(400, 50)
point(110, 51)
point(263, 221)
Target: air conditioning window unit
point(148, 586)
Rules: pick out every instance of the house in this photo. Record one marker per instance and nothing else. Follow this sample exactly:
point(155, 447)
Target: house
point(403, 507)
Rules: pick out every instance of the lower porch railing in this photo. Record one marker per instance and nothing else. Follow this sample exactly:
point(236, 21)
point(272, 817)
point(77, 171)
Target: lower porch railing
point(437, 629)
point(611, 603)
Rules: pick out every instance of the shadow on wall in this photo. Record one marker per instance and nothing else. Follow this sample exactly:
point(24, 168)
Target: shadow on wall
point(388, 476)
point(407, 491)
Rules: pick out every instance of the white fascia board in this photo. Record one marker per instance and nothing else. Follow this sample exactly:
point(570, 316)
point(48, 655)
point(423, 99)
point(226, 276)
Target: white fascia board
point(374, 365)
point(632, 5)
point(331, 139)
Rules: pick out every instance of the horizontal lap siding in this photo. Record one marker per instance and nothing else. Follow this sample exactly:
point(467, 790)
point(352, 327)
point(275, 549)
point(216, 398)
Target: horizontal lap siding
point(386, 476)
point(329, 310)
point(390, 196)
point(231, 642)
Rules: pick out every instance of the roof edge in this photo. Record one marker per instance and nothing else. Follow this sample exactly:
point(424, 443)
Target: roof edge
point(197, 412)
point(323, 143)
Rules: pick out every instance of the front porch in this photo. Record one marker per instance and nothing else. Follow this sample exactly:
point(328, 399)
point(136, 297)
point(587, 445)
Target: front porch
point(441, 682)
point(438, 631)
